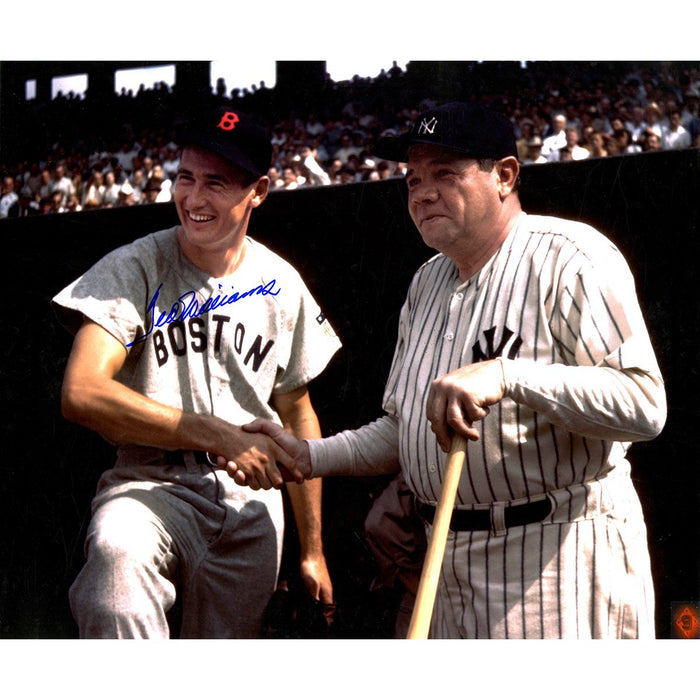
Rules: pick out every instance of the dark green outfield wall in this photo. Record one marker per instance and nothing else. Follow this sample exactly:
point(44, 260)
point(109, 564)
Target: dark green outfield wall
point(357, 250)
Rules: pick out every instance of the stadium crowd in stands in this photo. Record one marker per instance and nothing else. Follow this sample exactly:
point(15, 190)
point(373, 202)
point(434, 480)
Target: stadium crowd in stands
point(93, 156)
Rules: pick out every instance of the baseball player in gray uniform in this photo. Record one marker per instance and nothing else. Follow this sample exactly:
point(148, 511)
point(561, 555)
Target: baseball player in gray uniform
point(524, 335)
point(181, 337)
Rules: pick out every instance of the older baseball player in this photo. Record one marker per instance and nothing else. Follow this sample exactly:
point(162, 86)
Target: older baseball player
point(181, 337)
point(524, 335)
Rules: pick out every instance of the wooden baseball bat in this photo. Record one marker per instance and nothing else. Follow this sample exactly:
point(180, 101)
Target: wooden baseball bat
point(425, 597)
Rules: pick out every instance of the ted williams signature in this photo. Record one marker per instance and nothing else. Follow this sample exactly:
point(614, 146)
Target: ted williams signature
point(187, 306)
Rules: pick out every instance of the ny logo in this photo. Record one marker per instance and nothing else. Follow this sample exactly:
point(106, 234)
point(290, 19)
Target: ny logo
point(491, 351)
point(427, 126)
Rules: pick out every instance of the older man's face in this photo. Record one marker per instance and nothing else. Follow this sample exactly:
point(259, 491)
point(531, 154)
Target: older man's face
point(450, 198)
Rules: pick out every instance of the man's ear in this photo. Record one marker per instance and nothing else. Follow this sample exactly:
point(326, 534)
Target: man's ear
point(508, 170)
point(261, 187)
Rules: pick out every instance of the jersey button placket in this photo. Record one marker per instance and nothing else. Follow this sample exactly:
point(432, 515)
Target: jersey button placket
point(453, 313)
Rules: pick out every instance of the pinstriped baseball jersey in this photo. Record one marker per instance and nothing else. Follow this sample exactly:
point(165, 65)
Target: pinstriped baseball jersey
point(555, 293)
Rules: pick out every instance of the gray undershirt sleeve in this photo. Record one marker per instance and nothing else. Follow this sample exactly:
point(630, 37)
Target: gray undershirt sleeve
point(370, 450)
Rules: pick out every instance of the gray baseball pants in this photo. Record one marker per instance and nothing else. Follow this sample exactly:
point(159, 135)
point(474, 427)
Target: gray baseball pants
point(161, 531)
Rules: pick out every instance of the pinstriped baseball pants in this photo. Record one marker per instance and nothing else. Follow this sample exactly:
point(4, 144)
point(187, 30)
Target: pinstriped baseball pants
point(582, 573)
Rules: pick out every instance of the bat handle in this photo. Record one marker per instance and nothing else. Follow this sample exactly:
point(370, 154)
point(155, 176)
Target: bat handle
point(427, 588)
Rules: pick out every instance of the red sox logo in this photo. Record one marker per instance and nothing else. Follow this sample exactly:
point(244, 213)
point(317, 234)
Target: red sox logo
point(228, 121)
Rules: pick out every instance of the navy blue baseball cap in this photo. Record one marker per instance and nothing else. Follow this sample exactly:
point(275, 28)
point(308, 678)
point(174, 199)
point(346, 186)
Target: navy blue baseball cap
point(467, 127)
point(233, 135)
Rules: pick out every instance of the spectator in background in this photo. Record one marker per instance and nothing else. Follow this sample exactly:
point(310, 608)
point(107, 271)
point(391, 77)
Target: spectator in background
point(275, 179)
point(56, 203)
point(573, 117)
point(368, 170)
point(318, 148)
point(667, 106)
point(605, 114)
point(651, 141)
point(557, 136)
point(126, 195)
point(310, 169)
point(73, 204)
point(333, 169)
point(8, 197)
point(78, 185)
point(534, 151)
point(586, 133)
point(125, 156)
point(165, 194)
point(137, 182)
point(26, 206)
point(636, 124)
point(690, 119)
point(652, 117)
point(571, 149)
point(33, 180)
point(676, 136)
point(598, 149)
point(147, 165)
point(111, 193)
point(151, 190)
point(279, 136)
point(93, 197)
point(290, 178)
point(625, 143)
point(527, 131)
point(347, 175)
point(617, 124)
point(314, 127)
point(43, 191)
point(384, 170)
point(62, 183)
point(131, 192)
point(612, 145)
point(170, 163)
point(347, 149)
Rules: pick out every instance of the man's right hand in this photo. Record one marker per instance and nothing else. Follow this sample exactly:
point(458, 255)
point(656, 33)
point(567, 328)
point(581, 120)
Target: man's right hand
point(292, 457)
point(255, 460)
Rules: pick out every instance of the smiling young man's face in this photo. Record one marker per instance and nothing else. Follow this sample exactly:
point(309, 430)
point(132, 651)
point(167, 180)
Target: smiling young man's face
point(214, 200)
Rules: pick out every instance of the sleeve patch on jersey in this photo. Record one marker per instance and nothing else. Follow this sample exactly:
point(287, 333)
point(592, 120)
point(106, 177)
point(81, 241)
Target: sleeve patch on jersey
point(326, 326)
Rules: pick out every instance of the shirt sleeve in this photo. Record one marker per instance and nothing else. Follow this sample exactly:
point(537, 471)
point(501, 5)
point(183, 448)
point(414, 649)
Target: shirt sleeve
point(105, 294)
point(370, 450)
point(608, 385)
point(312, 343)
point(625, 405)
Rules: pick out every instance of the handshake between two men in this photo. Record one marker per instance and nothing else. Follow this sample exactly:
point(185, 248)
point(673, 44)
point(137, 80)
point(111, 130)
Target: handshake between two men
point(455, 402)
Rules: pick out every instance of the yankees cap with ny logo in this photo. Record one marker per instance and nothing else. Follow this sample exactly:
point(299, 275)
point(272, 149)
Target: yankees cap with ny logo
point(467, 127)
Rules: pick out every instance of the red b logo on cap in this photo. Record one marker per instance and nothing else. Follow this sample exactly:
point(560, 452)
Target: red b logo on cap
point(228, 121)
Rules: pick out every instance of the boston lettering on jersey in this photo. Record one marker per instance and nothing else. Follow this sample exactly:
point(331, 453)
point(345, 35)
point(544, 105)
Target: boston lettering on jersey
point(191, 335)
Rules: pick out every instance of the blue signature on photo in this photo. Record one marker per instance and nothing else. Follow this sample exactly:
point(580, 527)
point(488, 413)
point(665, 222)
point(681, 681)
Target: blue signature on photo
point(187, 306)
